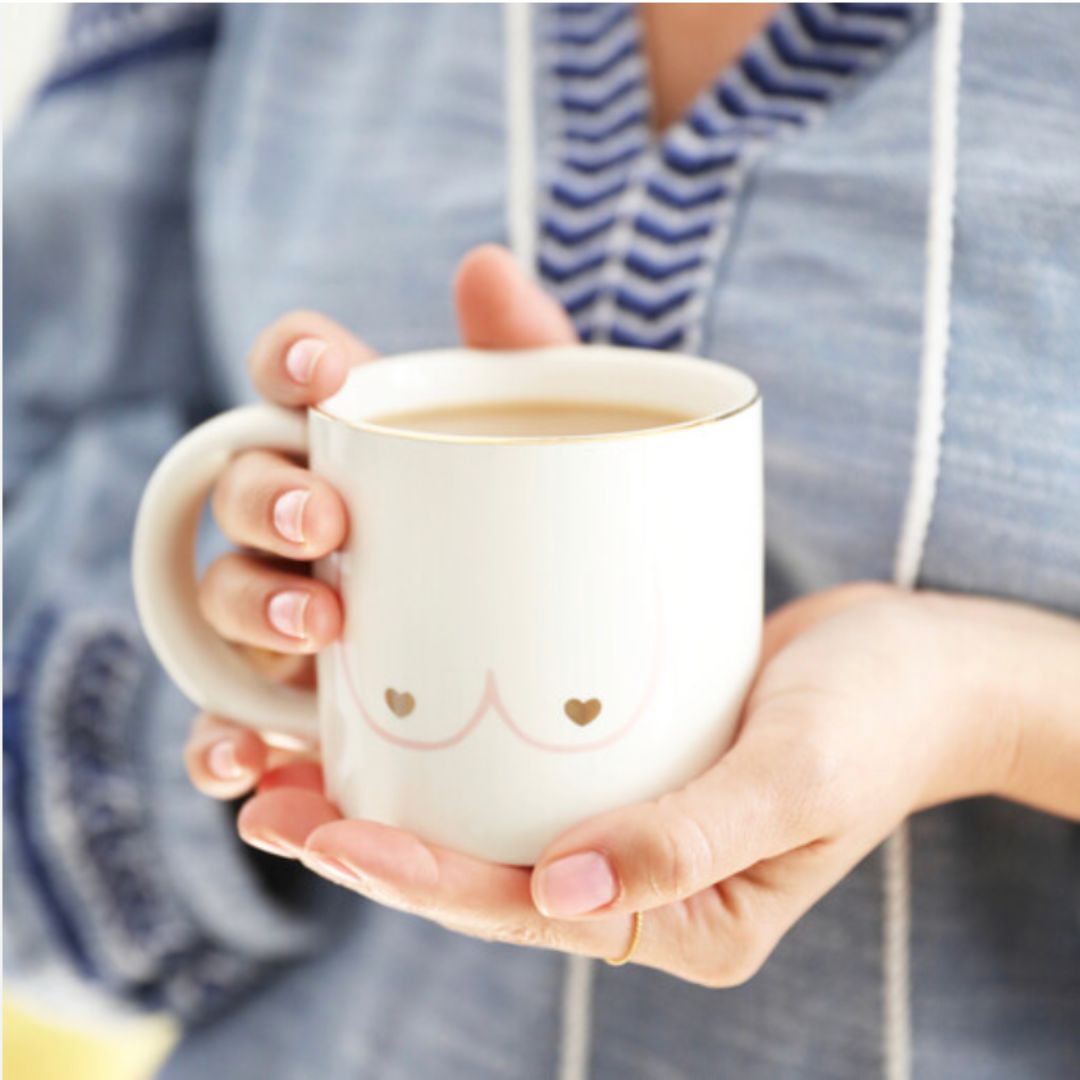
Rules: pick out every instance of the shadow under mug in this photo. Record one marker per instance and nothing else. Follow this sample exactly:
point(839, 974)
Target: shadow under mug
point(536, 629)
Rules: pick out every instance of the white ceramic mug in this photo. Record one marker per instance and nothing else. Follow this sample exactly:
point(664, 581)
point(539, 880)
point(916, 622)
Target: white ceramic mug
point(536, 629)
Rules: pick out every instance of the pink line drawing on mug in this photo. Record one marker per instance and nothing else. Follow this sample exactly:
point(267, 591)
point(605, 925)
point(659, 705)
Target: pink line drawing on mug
point(400, 740)
point(492, 699)
point(496, 702)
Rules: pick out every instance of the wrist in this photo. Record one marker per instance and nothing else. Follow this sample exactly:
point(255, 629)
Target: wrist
point(973, 704)
point(1016, 673)
point(1043, 697)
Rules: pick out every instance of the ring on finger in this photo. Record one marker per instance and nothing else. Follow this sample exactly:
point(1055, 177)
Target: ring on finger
point(635, 940)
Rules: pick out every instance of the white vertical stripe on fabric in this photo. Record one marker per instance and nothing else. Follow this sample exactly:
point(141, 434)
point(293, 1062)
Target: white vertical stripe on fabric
point(576, 1018)
point(937, 289)
point(520, 135)
point(926, 465)
point(896, 962)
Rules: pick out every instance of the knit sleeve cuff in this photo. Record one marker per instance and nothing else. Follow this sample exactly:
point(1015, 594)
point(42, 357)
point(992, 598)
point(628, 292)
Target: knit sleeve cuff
point(143, 880)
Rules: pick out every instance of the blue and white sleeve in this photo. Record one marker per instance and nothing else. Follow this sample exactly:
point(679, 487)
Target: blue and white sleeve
point(124, 888)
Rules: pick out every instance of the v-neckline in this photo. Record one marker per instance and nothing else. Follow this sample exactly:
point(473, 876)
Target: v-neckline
point(622, 34)
point(879, 26)
point(634, 220)
point(657, 136)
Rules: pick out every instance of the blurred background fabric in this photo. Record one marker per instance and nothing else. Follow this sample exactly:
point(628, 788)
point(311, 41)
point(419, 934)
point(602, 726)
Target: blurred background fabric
point(35, 1047)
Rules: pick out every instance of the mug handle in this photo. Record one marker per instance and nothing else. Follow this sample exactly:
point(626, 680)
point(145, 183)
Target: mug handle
point(209, 670)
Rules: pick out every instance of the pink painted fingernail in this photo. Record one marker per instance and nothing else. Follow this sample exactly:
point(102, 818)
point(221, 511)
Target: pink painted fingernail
point(286, 612)
point(221, 761)
point(303, 357)
point(271, 842)
point(575, 885)
point(289, 514)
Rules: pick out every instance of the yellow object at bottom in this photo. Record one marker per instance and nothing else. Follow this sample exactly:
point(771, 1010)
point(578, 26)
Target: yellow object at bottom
point(34, 1049)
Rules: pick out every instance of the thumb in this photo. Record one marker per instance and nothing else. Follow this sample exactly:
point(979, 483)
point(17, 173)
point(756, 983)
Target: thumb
point(500, 307)
point(651, 854)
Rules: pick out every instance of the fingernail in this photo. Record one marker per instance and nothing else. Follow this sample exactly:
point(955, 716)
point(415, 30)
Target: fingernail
point(289, 514)
point(272, 843)
point(221, 760)
point(332, 868)
point(302, 358)
point(286, 612)
point(575, 885)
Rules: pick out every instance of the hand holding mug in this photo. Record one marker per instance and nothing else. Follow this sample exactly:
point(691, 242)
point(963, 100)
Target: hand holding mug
point(866, 707)
point(871, 703)
point(552, 607)
point(280, 514)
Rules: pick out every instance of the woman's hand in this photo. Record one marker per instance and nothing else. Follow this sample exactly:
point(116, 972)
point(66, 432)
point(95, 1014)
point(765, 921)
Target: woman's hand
point(870, 703)
point(281, 517)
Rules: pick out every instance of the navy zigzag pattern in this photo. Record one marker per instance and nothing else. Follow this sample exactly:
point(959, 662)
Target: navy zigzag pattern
point(632, 225)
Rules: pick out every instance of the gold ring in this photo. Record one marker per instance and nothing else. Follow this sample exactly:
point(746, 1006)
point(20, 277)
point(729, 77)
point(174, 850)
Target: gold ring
point(635, 938)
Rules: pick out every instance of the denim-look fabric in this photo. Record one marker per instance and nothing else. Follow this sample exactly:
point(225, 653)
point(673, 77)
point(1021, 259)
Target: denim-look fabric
point(162, 207)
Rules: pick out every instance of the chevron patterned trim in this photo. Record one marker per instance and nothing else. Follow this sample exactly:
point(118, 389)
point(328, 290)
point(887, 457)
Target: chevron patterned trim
point(633, 226)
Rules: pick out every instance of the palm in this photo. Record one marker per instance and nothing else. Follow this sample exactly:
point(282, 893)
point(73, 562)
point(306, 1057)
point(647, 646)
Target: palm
point(803, 705)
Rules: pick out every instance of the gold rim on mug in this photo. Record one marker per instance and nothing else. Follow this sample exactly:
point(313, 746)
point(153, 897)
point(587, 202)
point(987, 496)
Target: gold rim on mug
point(534, 440)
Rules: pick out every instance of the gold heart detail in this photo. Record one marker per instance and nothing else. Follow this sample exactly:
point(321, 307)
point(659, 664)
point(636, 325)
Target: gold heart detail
point(582, 712)
point(400, 704)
